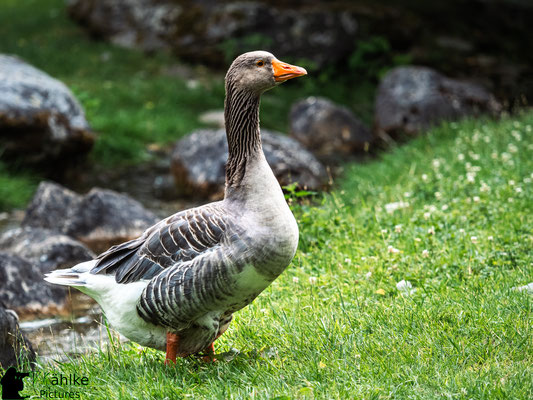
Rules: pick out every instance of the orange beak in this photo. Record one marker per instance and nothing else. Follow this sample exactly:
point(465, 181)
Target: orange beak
point(284, 71)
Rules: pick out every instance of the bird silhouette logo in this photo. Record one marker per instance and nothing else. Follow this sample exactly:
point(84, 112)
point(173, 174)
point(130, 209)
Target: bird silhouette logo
point(12, 383)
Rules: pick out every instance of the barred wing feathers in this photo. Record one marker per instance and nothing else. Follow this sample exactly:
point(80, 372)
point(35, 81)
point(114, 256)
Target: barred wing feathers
point(179, 238)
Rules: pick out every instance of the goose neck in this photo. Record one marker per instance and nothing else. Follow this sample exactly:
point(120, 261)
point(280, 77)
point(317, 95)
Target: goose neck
point(241, 113)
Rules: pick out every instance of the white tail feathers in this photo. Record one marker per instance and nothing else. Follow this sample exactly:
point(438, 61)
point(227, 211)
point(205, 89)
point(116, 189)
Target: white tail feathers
point(71, 276)
point(65, 277)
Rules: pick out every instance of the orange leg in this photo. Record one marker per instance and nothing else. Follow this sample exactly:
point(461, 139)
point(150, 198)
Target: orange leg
point(210, 350)
point(172, 348)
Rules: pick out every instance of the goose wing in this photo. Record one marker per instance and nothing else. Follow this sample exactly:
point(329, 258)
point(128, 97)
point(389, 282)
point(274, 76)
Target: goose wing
point(177, 239)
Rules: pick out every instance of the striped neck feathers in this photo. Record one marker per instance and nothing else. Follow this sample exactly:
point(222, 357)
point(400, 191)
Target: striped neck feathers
point(241, 114)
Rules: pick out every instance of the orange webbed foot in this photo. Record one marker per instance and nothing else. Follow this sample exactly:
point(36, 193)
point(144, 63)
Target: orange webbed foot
point(172, 348)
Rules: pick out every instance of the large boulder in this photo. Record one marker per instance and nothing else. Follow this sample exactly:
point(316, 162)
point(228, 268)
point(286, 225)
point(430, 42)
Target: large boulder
point(210, 30)
point(412, 99)
point(23, 289)
point(328, 130)
point(46, 249)
point(99, 219)
point(14, 347)
point(198, 162)
point(144, 24)
point(41, 123)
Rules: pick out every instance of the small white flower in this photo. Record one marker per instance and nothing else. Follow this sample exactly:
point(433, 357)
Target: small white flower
point(516, 135)
point(424, 177)
point(518, 190)
point(392, 250)
point(431, 230)
point(407, 195)
point(476, 199)
point(425, 253)
point(417, 239)
point(398, 229)
point(486, 139)
point(526, 288)
point(348, 260)
point(363, 258)
point(295, 279)
point(484, 188)
point(405, 287)
point(461, 230)
point(490, 238)
point(473, 239)
point(368, 274)
point(435, 163)
point(506, 157)
point(383, 231)
point(391, 207)
point(263, 310)
point(474, 156)
point(461, 157)
point(471, 177)
point(312, 280)
point(512, 148)
point(438, 195)
point(494, 156)
point(527, 180)
point(512, 182)
point(427, 215)
point(510, 199)
point(444, 207)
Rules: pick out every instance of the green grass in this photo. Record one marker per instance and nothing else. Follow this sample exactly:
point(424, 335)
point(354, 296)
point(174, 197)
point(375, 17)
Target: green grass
point(334, 325)
point(15, 190)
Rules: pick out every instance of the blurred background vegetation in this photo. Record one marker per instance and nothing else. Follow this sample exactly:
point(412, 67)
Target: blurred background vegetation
point(137, 101)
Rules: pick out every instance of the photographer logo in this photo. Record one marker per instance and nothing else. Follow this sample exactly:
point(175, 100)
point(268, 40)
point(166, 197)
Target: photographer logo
point(42, 385)
point(12, 383)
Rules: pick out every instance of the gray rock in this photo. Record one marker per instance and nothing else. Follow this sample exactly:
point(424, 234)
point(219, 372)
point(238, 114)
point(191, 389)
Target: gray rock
point(44, 248)
point(99, 219)
point(23, 289)
point(40, 120)
point(412, 99)
point(14, 347)
point(209, 30)
point(327, 129)
point(144, 24)
point(198, 162)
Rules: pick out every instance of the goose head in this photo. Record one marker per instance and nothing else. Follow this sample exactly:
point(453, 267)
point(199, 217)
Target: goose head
point(258, 71)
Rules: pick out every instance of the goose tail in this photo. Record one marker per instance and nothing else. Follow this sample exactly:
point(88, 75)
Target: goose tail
point(75, 276)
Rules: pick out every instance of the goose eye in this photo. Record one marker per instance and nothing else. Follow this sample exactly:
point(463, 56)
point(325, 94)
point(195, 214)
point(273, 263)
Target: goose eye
point(260, 63)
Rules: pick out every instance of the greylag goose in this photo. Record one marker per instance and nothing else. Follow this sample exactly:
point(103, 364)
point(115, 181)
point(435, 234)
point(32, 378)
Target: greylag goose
point(177, 286)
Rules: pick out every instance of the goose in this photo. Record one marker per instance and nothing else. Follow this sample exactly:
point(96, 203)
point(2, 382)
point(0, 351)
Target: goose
point(176, 287)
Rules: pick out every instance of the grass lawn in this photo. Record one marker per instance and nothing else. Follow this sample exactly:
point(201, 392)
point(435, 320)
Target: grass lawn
point(449, 212)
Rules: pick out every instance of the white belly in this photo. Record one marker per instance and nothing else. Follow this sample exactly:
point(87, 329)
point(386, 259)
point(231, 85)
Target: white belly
point(119, 303)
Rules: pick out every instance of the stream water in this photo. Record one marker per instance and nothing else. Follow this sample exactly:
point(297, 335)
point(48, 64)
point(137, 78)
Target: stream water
point(61, 338)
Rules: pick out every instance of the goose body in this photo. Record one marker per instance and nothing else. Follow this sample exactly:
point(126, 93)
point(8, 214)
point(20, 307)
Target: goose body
point(178, 284)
